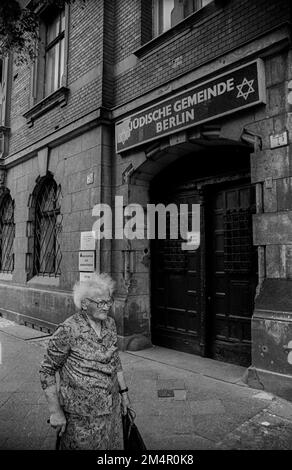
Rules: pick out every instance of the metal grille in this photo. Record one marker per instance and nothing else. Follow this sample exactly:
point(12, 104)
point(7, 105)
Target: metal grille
point(174, 259)
point(7, 233)
point(238, 248)
point(48, 226)
point(172, 256)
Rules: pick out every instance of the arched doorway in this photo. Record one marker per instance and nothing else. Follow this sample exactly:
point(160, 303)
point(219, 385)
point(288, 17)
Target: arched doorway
point(202, 300)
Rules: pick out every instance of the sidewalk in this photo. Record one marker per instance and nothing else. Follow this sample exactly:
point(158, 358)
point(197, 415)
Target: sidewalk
point(182, 401)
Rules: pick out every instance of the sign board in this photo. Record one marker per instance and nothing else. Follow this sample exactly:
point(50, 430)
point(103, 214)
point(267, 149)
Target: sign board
point(227, 93)
point(85, 277)
point(87, 261)
point(279, 140)
point(87, 241)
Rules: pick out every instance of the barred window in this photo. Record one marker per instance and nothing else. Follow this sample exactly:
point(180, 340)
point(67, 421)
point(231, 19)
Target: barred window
point(48, 225)
point(7, 233)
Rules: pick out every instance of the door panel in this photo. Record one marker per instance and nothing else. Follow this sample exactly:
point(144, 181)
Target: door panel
point(176, 313)
point(232, 274)
point(180, 317)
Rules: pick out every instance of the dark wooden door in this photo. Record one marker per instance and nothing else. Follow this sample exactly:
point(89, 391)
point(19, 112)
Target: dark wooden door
point(232, 273)
point(176, 305)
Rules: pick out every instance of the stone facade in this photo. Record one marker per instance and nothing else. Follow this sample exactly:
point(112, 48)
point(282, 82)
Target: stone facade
point(115, 68)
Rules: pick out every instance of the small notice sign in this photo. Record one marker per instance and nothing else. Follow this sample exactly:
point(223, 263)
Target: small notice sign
point(279, 140)
point(86, 277)
point(87, 261)
point(87, 241)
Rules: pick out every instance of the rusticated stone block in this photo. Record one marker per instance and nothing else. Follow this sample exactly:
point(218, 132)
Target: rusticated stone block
point(272, 229)
point(275, 261)
point(276, 100)
point(284, 194)
point(262, 127)
point(270, 198)
point(80, 200)
point(276, 70)
point(270, 164)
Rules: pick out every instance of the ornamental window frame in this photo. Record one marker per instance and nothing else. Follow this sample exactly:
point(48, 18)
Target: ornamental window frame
point(55, 42)
point(47, 226)
point(7, 233)
point(43, 98)
point(5, 65)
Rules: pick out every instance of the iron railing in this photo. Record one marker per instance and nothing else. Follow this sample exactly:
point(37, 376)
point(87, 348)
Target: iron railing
point(48, 226)
point(7, 234)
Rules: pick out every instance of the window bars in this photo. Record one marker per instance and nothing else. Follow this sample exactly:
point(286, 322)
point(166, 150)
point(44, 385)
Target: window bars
point(238, 247)
point(7, 233)
point(48, 226)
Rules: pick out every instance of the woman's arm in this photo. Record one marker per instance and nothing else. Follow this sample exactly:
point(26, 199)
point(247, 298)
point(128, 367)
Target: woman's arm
point(118, 366)
point(57, 417)
point(124, 394)
point(55, 357)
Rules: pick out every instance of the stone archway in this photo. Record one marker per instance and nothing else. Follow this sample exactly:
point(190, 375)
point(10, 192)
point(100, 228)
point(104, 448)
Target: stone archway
point(133, 306)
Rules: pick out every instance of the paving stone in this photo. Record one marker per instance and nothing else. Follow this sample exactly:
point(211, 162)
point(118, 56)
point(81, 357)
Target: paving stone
point(48, 443)
point(246, 407)
point(163, 393)
point(29, 397)
point(13, 410)
point(162, 424)
point(282, 409)
point(204, 407)
point(4, 397)
point(203, 411)
point(9, 385)
point(180, 394)
point(215, 426)
point(177, 442)
point(170, 384)
point(264, 431)
point(170, 407)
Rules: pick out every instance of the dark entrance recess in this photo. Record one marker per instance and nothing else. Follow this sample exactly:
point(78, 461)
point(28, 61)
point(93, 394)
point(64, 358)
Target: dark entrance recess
point(202, 301)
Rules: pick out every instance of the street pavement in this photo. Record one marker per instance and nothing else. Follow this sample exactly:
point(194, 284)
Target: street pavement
point(182, 402)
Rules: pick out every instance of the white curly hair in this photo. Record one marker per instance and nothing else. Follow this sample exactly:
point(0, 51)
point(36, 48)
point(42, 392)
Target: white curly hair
point(101, 285)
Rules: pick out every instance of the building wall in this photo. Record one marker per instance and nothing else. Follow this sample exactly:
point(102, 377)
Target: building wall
point(247, 31)
point(211, 33)
point(49, 299)
point(112, 71)
point(84, 80)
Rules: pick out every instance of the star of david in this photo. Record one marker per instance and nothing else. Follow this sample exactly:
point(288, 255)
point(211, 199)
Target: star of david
point(241, 92)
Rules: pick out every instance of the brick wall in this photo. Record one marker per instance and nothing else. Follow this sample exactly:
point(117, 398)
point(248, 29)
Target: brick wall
point(128, 28)
point(105, 34)
point(84, 79)
point(108, 53)
point(211, 32)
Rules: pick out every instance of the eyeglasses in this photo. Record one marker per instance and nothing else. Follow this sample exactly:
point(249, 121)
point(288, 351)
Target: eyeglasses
point(102, 303)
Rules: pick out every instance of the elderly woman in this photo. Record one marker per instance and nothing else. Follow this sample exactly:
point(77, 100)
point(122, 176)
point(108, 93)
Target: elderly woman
point(86, 406)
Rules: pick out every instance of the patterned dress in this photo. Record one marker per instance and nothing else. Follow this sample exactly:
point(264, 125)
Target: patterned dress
point(89, 392)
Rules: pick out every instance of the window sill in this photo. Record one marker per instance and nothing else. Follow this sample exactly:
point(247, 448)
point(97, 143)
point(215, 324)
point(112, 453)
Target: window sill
point(183, 27)
point(58, 98)
point(44, 281)
point(5, 276)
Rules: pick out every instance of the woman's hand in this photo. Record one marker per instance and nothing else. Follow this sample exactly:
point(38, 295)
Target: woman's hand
point(58, 421)
point(125, 402)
